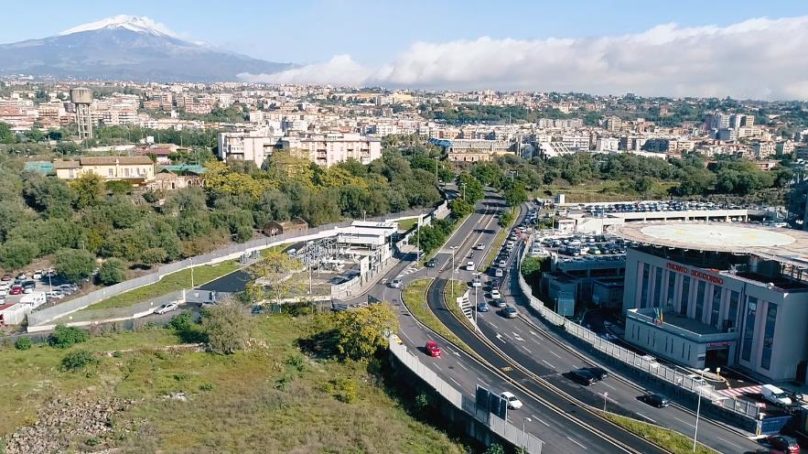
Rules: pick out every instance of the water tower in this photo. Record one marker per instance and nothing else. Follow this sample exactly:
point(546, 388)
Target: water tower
point(82, 97)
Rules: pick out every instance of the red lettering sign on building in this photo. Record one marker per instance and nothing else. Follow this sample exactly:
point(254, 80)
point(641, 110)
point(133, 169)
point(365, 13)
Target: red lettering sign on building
point(696, 274)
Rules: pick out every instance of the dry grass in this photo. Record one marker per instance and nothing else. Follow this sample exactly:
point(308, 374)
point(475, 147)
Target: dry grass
point(271, 399)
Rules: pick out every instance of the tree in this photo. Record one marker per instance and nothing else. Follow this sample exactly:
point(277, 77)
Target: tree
point(515, 194)
point(227, 327)
point(17, 253)
point(361, 332)
point(67, 336)
point(89, 190)
point(6, 135)
point(111, 272)
point(78, 360)
point(74, 264)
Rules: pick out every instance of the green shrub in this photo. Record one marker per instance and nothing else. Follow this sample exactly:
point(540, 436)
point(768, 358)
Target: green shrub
point(66, 336)
point(206, 387)
point(346, 390)
point(23, 343)
point(77, 360)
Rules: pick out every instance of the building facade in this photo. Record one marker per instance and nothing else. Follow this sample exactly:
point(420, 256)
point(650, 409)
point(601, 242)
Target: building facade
point(136, 169)
point(329, 149)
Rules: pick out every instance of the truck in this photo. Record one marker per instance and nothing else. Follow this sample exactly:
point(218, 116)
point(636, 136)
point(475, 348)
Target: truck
point(33, 300)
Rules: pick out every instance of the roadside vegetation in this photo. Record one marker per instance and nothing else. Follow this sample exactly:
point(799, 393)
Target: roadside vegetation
point(415, 298)
point(460, 288)
point(668, 439)
point(310, 383)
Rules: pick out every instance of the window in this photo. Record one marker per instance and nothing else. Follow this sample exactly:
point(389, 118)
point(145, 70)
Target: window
point(657, 287)
point(671, 287)
point(768, 336)
point(700, 300)
point(749, 328)
point(685, 295)
point(732, 316)
point(646, 270)
point(110, 172)
point(715, 306)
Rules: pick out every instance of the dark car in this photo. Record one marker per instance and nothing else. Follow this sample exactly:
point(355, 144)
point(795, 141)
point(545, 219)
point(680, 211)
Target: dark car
point(783, 443)
point(510, 312)
point(28, 284)
point(598, 373)
point(656, 400)
point(494, 283)
point(431, 263)
point(483, 307)
point(582, 376)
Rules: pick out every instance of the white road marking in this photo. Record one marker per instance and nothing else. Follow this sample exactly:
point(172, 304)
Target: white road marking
point(540, 420)
point(518, 337)
point(545, 362)
point(403, 333)
point(456, 382)
point(438, 367)
point(683, 421)
point(527, 350)
point(484, 384)
point(461, 365)
point(499, 336)
point(610, 386)
point(646, 417)
point(726, 441)
point(576, 442)
point(555, 354)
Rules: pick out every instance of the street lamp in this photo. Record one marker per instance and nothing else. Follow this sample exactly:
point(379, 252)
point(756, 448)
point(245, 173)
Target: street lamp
point(605, 396)
point(463, 185)
point(453, 267)
point(523, 430)
point(698, 409)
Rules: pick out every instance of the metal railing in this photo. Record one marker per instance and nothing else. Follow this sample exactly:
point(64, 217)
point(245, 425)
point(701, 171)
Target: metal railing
point(626, 356)
point(504, 429)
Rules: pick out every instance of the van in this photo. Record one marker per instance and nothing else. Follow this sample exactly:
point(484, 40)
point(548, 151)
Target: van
point(775, 395)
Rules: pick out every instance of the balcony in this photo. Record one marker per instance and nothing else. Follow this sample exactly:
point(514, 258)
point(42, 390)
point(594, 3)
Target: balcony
point(682, 326)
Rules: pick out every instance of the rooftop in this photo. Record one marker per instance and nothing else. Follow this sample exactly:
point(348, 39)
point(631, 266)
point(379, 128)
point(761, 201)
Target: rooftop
point(782, 245)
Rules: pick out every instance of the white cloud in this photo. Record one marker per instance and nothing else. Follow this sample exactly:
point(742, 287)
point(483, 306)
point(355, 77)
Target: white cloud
point(757, 58)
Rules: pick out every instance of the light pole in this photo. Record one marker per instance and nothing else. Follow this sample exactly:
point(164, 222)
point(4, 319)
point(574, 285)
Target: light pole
point(605, 396)
point(453, 267)
point(523, 430)
point(698, 409)
point(476, 302)
point(418, 234)
point(463, 185)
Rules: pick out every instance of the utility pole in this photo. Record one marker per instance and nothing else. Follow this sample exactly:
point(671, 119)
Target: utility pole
point(698, 409)
point(418, 235)
point(453, 268)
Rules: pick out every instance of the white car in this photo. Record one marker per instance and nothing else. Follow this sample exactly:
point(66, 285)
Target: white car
point(166, 308)
point(512, 401)
point(503, 263)
point(470, 266)
point(396, 283)
point(495, 294)
point(55, 294)
point(476, 282)
point(479, 246)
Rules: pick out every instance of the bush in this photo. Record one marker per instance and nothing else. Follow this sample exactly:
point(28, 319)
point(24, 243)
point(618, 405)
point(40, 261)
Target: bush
point(66, 336)
point(182, 322)
point(23, 343)
point(346, 390)
point(227, 327)
point(77, 360)
point(111, 272)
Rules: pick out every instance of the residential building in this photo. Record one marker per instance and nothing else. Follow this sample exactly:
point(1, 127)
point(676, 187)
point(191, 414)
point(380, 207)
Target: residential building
point(254, 145)
point(136, 169)
point(329, 149)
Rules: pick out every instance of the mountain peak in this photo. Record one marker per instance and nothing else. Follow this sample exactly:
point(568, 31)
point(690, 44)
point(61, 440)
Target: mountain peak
point(139, 24)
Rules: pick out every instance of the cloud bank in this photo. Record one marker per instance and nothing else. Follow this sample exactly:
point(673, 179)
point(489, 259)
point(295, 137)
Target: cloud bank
point(757, 58)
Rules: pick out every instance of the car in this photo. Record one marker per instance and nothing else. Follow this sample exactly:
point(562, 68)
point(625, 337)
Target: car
point(483, 307)
point(495, 294)
point(598, 373)
point(479, 246)
point(37, 275)
point(502, 264)
point(509, 311)
point(582, 376)
point(431, 263)
point(656, 400)
point(470, 266)
point(493, 283)
point(3, 291)
point(55, 294)
point(512, 401)
point(499, 272)
point(27, 290)
point(16, 290)
point(783, 443)
point(476, 282)
point(7, 278)
point(432, 349)
point(500, 303)
point(396, 283)
point(28, 285)
point(165, 308)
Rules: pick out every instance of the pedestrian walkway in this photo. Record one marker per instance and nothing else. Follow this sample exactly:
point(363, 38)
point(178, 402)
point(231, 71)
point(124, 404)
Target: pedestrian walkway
point(738, 392)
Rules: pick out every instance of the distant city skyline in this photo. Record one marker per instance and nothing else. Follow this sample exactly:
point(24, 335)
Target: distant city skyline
point(731, 49)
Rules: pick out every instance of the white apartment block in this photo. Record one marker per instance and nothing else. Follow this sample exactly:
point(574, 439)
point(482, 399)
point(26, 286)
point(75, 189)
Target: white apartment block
point(256, 145)
point(329, 149)
point(763, 150)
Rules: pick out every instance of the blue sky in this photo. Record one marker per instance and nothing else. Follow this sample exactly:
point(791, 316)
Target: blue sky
point(373, 32)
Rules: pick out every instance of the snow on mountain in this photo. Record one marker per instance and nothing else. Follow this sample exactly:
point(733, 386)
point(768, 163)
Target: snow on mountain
point(133, 23)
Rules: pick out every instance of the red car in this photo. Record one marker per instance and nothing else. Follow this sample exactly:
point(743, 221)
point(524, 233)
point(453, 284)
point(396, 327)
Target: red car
point(16, 290)
point(781, 443)
point(432, 349)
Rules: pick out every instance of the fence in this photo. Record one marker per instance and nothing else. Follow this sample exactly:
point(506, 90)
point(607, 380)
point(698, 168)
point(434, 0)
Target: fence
point(220, 255)
point(504, 429)
point(626, 356)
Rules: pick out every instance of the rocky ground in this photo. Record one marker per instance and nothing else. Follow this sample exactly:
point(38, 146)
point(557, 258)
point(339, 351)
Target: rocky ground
point(68, 424)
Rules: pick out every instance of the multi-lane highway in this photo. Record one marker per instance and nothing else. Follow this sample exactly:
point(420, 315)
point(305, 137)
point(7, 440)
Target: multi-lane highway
point(524, 357)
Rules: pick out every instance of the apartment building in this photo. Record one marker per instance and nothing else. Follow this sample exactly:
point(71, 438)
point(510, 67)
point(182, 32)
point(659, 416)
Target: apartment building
point(254, 145)
point(136, 169)
point(329, 149)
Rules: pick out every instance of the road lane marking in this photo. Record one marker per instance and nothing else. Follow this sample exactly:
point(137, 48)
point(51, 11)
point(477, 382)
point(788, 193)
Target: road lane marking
point(456, 382)
point(555, 354)
point(576, 442)
point(461, 365)
point(404, 333)
point(484, 384)
point(527, 350)
point(540, 420)
point(438, 367)
point(499, 336)
point(545, 362)
point(683, 421)
point(646, 417)
point(610, 386)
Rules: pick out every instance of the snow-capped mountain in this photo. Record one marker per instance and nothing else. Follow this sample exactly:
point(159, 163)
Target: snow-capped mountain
point(127, 48)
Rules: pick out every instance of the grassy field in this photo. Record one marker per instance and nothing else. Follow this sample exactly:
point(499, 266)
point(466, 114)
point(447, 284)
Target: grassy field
point(414, 298)
point(270, 399)
point(460, 288)
point(603, 191)
point(668, 439)
point(406, 224)
point(170, 283)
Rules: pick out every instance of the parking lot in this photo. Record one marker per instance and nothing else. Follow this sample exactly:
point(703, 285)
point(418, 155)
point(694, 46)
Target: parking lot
point(12, 288)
